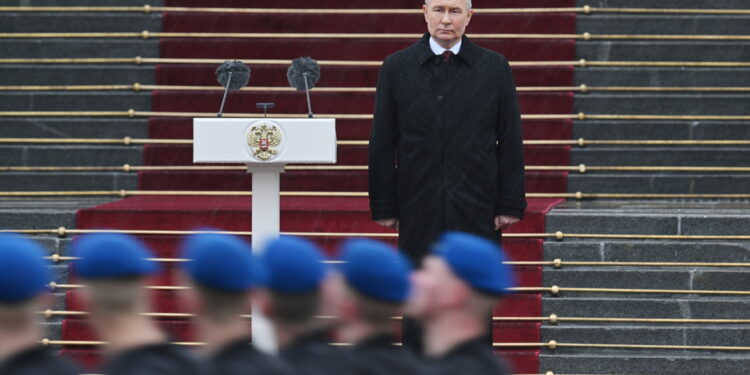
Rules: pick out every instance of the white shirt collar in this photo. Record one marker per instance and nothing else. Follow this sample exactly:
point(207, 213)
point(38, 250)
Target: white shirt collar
point(436, 49)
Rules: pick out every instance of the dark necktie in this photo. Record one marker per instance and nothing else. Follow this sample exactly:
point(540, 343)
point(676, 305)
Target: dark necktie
point(447, 55)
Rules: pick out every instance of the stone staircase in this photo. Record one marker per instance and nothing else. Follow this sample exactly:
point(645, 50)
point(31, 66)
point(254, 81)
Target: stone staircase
point(46, 213)
point(654, 217)
point(619, 217)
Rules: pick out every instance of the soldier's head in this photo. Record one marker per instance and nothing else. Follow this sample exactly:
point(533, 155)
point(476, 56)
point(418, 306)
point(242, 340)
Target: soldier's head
point(24, 276)
point(296, 274)
point(447, 19)
point(224, 275)
point(114, 269)
point(371, 287)
point(465, 274)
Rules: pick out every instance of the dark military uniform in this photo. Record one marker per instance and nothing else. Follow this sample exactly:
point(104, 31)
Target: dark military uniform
point(37, 360)
point(378, 356)
point(240, 357)
point(474, 357)
point(313, 355)
point(157, 359)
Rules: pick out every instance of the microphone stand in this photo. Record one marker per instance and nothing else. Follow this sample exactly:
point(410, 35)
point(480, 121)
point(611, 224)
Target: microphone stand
point(307, 92)
point(226, 91)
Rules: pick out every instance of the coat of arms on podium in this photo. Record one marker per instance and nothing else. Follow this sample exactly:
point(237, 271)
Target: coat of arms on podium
point(264, 140)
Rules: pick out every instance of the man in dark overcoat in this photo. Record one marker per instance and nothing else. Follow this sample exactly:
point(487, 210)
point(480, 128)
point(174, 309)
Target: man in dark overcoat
point(446, 149)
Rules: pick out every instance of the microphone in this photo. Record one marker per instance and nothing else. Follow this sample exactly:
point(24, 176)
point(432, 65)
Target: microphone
point(233, 75)
point(303, 74)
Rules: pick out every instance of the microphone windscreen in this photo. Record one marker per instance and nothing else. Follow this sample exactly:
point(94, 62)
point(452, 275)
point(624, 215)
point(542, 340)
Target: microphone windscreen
point(297, 70)
point(240, 75)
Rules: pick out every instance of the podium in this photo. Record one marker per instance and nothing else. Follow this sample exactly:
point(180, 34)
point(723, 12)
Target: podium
point(265, 145)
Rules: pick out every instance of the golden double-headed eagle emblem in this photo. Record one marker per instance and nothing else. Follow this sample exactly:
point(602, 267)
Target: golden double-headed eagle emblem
point(264, 140)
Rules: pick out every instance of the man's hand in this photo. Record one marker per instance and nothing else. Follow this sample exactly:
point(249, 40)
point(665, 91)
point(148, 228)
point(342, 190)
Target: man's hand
point(502, 222)
point(390, 223)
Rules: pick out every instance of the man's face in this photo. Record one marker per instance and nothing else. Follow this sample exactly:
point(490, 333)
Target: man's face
point(447, 20)
point(434, 288)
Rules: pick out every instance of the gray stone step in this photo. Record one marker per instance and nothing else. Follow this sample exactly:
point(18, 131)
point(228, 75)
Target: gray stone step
point(662, 24)
point(648, 251)
point(656, 156)
point(730, 130)
point(72, 127)
point(56, 155)
point(662, 104)
point(650, 217)
point(647, 278)
point(671, 363)
point(43, 213)
point(78, 48)
point(695, 4)
point(655, 51)
point(665, 183)
point(693, 335)
point(65, 181)
point(53, 74)
point(670, 76)
point(79, 22)
point(632, 306)
point(74, 101)
point(80, 2)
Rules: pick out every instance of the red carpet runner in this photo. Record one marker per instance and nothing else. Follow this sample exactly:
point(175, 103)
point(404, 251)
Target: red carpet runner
point(328, 214)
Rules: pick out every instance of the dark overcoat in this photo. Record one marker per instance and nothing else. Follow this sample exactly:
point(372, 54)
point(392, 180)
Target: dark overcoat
point(446, 149)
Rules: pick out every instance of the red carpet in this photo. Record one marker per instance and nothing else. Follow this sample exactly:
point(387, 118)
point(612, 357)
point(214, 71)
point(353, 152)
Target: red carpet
point(347, 215)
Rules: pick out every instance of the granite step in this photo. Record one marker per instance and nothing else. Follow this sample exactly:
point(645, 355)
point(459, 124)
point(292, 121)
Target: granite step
point(655, 156)
point(608, 50)
point(650, 217)
point(78, 48)
point(639, 307)
point(645, 362)
point(693, 4)
point(66, 181)
point(80, 3)
point(662, 24)
point(60, 155)
point(692, 335)
point(672, 278)
point(648, 251)
point(662, 104)
point(663, 76)
point(73, 127)
point(60, 74)
point(74, 101)
point(71, 22)
point(681, 130)
point(659, 183)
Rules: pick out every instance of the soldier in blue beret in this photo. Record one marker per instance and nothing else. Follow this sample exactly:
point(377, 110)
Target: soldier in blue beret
point(226, 278)
point(455, 292)
point(115, 269)
point(24, 276)
point(296, 281)
point(372, 286)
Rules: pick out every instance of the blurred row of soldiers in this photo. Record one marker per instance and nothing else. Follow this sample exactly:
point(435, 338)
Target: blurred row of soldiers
point(308, 302)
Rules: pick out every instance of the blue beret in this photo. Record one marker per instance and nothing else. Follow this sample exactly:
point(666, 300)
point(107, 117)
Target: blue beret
point(222, 262)
point(110, 255)
point(376, 270)
point(477, 261)
point(23, 272)
point(294, 265)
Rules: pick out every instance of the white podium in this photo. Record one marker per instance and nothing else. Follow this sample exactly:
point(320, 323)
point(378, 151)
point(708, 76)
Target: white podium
point(265, 145)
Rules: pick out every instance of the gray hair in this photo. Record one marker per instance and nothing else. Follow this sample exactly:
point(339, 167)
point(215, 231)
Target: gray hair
point(468, 3)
